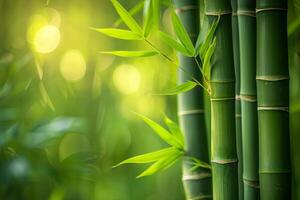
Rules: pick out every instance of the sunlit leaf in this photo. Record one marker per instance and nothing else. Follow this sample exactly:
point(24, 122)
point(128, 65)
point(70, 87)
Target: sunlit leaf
point(182, 34)
point(45, 96)
point(150, 157)
point(133, 11)
point(126, 17)
point(207, 58)
point(208, 39)
point(185, 87)
point(162, 164)
point(174, 128)
point(169, 40)
point(161, 132)
point(148, 17)
point(119, 33)
point(131, 53)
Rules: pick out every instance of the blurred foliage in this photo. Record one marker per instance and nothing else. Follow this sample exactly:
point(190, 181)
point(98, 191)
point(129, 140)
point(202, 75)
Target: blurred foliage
point(65, 109)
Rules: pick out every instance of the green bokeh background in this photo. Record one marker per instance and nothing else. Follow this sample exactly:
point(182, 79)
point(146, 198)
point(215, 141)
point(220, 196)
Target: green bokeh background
point(59, 139)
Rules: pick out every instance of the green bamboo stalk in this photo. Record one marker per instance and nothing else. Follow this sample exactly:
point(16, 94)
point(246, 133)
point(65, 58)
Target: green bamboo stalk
point(247, 34)
point(197, 184)
point(222, 80)
point(236, 57)
point(273, 99)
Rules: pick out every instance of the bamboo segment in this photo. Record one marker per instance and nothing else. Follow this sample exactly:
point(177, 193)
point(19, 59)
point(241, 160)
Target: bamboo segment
point(197, 184)
point(247, 31)
point(273, 99)
point(236, 56)
point(223, 141)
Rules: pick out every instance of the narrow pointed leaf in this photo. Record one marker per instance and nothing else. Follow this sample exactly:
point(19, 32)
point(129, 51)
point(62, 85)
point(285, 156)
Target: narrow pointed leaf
point(148, 17)
point(161, 132)
point(149, 157)
point(161, 164)
point(174, 128)
point(173, 43)
point(207, 58)
point(182, 34)
point(131, 53)
point(133, 11)
point(208, 39)
point(126, 17)
point(119, 33)
point(185, 87)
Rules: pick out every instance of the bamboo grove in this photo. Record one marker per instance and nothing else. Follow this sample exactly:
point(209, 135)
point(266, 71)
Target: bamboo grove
point(235, 52)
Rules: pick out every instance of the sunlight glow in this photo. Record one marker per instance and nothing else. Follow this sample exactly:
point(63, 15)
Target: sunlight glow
point(73, 65)
point(46, 39)
point(127, 79)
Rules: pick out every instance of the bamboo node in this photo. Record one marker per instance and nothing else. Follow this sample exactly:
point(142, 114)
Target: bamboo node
point(201, 196)
point(191, 112)
point(219, 13)
point(186, 8)
point(248, 98)
point(248, 13)
point(252, 183)
point(270, 9)
point(195, 177)
point(272, 78)
point(237, 97)
point(274, 172)
point(272, 108)
point(224, 161)
point(222, 99)
point(238, 115)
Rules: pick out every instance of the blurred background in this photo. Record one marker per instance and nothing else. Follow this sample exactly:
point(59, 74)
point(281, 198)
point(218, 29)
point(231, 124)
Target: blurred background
point(66, 110)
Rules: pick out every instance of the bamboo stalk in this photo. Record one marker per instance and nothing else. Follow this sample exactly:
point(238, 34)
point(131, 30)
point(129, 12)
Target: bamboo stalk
point(236, 57)
point(223, 141)
point(273, 99)
point(197, 184)
point(247, 31)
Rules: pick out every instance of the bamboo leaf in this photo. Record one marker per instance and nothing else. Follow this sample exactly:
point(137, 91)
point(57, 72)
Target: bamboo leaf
point(206, 44)
point(162, 164)
point(161, 132)
point(131, 53)
point(207, 58)
point(148, 17)
point(182, 34)
point(197, 163)
point(119, 33)
point(149, 157)
point(174, 128)
point(173, 43)
point(126, 17)
point(133, 11)
point(185, 87)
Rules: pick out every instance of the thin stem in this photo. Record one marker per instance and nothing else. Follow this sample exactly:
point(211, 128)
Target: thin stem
point(173, 62)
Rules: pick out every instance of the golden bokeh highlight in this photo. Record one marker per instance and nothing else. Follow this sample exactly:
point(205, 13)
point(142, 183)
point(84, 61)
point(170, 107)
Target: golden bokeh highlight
point(127, 79)
point(73, 65)
point(46, 39)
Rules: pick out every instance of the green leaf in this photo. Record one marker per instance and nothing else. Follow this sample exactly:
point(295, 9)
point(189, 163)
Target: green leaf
point(148, 17)
point(197, 163)
point(207, 58)
point(174, 128)
point(162, 164)
point(131, 53)
point(119, 33)
point(174, 43)
point(133, 11)
point(149, 157)
point(161, 132)
point(126, 17)
point(204, 47)
point(182, 34)
point(185, 87)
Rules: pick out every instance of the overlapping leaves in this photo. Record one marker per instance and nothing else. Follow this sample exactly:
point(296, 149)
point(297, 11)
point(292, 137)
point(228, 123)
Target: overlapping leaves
point(164, 158)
